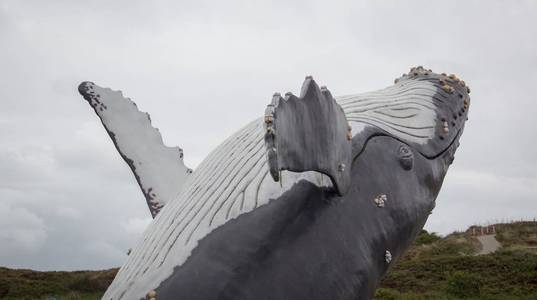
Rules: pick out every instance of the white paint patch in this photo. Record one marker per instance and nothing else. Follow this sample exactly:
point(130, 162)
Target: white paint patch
point(159, 169)
point(406, 110)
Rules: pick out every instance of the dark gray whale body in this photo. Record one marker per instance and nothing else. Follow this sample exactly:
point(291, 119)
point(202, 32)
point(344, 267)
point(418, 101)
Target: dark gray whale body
point(311, 243)
point(234, 233)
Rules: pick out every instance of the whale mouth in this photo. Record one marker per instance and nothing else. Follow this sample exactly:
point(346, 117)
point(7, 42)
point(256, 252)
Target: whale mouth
point(314, 132)
point(423, 109)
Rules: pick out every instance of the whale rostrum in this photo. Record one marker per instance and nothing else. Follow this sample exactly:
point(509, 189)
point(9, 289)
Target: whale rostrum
point(313, 200)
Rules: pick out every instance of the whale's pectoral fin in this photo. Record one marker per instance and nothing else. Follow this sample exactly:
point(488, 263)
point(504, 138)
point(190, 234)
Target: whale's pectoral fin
point(159, 170)
point(309, 133)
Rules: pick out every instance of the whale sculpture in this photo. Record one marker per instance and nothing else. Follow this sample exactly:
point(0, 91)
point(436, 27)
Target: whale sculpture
point(314, 200)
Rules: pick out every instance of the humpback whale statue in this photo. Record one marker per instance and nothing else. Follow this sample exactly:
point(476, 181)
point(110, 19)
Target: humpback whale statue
point(314, 200)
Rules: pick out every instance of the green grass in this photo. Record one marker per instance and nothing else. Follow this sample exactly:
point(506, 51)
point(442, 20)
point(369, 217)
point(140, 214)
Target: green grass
point(28, 284)
point(433, 268)
point(502, 275)
point(447, 268)
point(517, 235)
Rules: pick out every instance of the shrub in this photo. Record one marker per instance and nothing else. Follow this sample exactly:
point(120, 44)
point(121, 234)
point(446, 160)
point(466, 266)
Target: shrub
point(462, 284)
point(426, 238)
point(387, 294)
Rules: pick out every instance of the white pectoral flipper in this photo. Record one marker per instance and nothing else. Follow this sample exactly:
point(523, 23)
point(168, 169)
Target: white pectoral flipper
point(159, 170)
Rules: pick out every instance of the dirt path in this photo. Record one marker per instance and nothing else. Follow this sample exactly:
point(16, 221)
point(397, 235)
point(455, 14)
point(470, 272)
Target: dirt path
point(489, 243)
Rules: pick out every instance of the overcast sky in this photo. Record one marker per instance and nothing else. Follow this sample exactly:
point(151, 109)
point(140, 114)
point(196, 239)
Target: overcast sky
point(68, 201)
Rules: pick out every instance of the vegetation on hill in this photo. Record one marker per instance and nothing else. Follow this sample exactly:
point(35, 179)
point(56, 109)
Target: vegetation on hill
point(433, 268)
point(519, 235)
point(28, 284)
point(447, 268)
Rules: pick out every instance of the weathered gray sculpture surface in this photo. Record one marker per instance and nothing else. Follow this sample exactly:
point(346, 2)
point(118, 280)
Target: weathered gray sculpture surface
point(315, 200)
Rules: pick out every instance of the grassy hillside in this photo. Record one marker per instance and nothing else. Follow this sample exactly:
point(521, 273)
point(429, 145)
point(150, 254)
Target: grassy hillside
point(433, 268)
point(520, 235)
point(28, 284)
point(446, 268)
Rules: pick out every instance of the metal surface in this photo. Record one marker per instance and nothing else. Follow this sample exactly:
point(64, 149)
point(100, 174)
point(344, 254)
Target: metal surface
point(232, 232)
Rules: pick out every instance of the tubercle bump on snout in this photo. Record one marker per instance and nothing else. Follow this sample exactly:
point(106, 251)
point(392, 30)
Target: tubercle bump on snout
point(84, 88)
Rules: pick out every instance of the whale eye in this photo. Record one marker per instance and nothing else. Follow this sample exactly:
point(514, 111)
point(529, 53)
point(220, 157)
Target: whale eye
point(406, 157)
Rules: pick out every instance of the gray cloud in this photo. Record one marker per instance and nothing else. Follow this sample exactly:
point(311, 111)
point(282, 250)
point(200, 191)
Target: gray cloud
point(67, 201)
